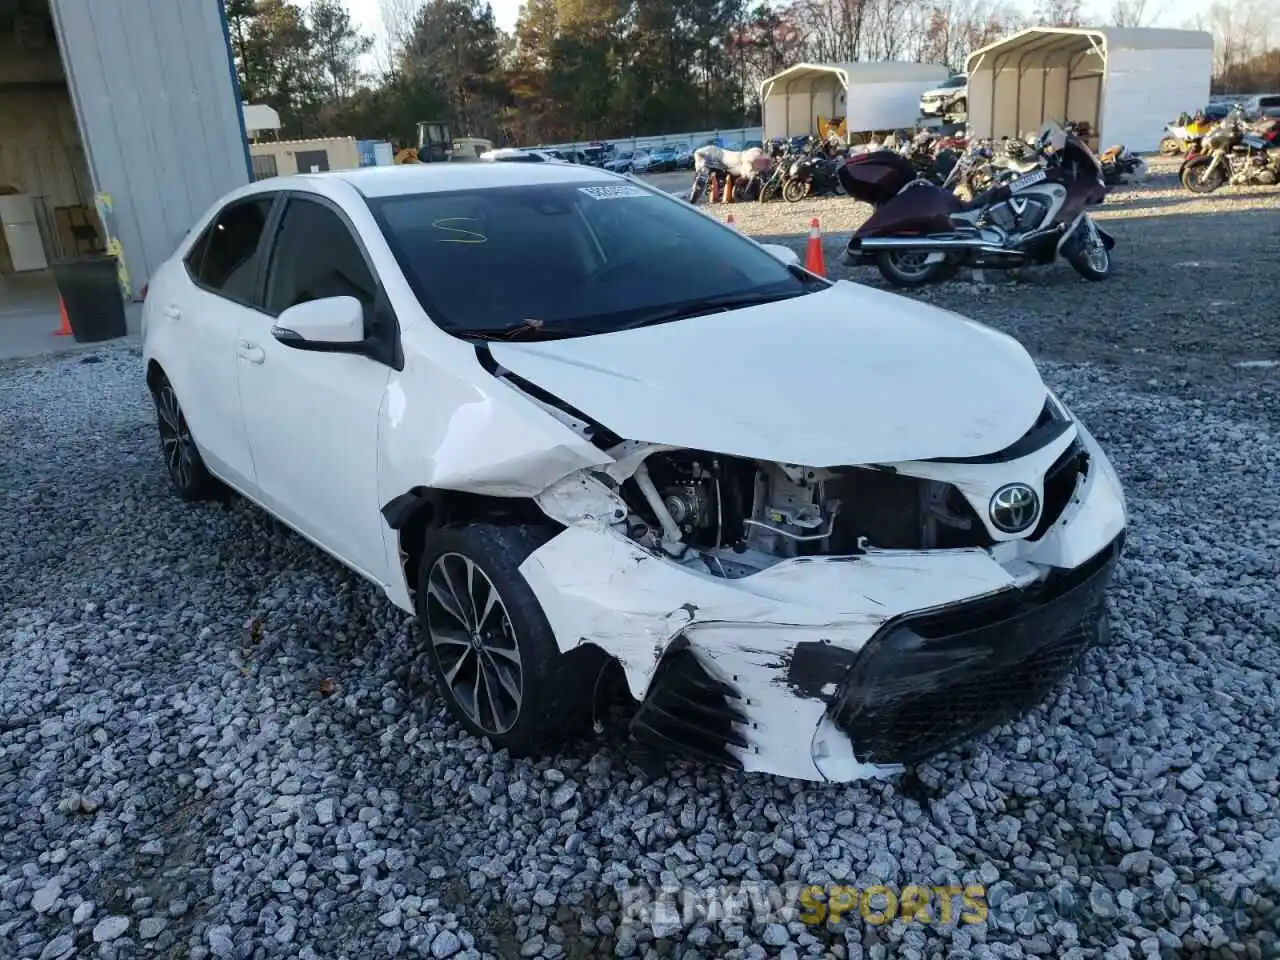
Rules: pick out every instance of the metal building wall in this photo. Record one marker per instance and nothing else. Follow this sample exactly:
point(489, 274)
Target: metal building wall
point(159, 114)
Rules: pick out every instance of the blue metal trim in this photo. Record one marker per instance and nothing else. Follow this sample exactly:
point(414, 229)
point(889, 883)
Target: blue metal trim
point(235, 86)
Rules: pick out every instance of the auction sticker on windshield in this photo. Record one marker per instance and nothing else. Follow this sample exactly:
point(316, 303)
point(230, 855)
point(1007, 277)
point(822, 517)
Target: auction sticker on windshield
point(1024, 182)
point(614, 192)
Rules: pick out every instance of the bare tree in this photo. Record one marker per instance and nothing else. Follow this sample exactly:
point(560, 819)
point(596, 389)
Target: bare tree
point(1133, 13)
point(397, 17)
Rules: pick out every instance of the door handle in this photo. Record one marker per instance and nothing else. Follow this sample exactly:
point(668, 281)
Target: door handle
point(172, 313)
point(251, 352)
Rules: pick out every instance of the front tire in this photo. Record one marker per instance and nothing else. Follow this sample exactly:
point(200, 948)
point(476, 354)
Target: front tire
point(1170, 147)
point(1091, 258)
point(187, 472)
point(793, 191)
point(909, 269)
point(1193, 178)
point(490, 648)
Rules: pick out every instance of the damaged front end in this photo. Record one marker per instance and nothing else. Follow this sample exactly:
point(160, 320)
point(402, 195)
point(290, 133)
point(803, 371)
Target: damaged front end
point(838, 622)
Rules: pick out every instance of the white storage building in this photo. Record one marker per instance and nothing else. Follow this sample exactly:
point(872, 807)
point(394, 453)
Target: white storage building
point(119, 125)
point(872, 97)
point(1126, 83)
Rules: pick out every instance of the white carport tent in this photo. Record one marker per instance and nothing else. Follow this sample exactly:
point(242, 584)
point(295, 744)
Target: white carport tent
point(872, 96)
point(1125, 83)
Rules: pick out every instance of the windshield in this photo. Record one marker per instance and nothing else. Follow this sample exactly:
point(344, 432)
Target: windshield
point(568, 259)
point(1052, 136)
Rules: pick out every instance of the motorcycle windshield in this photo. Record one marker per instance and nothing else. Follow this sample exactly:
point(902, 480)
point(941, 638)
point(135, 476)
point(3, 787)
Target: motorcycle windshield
point(1076, 152)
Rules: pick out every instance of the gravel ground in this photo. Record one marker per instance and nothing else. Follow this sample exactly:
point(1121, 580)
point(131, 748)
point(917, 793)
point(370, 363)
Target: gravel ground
point(214, 743)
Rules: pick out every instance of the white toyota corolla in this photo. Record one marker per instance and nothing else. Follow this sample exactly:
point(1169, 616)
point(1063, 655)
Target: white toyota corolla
point(567, 419)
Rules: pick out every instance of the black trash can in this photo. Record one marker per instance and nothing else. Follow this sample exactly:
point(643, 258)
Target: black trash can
point(90, 291)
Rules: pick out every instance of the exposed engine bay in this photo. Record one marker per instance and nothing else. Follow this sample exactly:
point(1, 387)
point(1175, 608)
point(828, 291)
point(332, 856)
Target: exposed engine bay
point(738, 592)
point(740, 516)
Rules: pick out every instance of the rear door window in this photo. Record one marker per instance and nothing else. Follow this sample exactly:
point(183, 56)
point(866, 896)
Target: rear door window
point(225, 259)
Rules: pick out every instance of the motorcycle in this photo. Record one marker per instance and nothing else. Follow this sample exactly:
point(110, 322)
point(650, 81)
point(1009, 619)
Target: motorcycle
point(1233, 154)
point(813, 175)
point(701, 179)
point(920, 233)
point(1184, 134)
point(1121, 166)
point(981, 167)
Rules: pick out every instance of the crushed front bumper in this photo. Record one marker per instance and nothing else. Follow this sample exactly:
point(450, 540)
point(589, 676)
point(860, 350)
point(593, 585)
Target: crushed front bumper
point(839, 668)
point(927, 682)
point(923, 683)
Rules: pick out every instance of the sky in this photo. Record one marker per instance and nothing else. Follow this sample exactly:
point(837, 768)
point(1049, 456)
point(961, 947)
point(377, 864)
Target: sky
point(1172, 13)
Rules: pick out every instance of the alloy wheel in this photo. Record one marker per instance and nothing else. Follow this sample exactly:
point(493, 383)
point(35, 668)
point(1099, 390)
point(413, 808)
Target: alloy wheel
point(911, 264)
point(175, 438)
point(475, 643)
point(1095, 253)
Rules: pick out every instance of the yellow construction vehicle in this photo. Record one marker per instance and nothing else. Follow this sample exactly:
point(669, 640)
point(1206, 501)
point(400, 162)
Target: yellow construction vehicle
point(434, 144)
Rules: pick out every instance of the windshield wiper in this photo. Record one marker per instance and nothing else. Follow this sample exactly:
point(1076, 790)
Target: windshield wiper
point(528, 329)
point(701, 307)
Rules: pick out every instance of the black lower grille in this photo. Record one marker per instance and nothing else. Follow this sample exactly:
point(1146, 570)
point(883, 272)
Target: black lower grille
point(687, 711)
point(925, 683)
point(1060, 486)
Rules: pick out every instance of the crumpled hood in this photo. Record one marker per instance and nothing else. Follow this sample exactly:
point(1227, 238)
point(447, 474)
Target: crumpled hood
point(846, 376)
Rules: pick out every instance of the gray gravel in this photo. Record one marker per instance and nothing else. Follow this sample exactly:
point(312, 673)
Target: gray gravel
point(214, 741)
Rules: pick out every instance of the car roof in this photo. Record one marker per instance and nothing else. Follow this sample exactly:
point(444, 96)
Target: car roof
point(439, 177)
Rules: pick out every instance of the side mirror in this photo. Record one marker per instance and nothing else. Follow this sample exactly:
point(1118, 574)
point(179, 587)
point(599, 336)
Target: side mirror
point(332, 324)
point(783, 254)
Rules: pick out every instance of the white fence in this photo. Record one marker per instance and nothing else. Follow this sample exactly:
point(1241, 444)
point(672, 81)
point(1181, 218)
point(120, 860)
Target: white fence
point(694, 140)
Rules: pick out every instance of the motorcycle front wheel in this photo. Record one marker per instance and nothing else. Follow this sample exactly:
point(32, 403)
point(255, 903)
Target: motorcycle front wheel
point(1170, 147)
point(770, 191)
point(910, 268)
point(1194, 179)
point(795, 190)
point(1091, 258)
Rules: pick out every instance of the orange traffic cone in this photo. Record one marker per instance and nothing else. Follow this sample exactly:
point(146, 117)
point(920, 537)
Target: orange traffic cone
point(713, 189)
point(65, 329)
point(728, 190)
point(814, 261)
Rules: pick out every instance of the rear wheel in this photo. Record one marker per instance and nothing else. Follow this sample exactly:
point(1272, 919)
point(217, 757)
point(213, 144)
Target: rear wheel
point(770, 191)
point(182, 460)
point(911, 268)
point(1197, 179)
point(793, 191)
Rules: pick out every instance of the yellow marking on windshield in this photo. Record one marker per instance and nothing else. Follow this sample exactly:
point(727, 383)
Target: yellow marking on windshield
point(465, 235)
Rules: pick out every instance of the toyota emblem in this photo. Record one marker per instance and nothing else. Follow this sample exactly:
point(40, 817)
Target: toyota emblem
point(1014, 508)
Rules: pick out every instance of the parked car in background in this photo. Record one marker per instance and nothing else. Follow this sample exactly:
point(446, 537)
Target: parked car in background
point(734, 146)
point(620, 163)
point(753, 145)
point(684, 156)
point(1262, 106)
point(662, 160)
point(513, 155)
point(947, 98)
point(629, 161)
